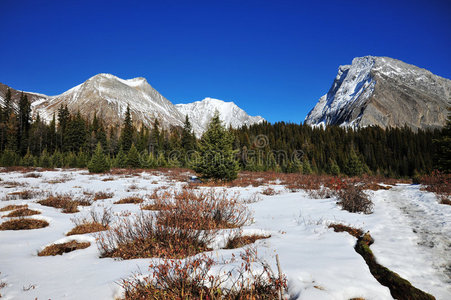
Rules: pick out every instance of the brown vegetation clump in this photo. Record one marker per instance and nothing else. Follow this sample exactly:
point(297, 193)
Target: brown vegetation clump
point(142, 237)
point(130, 200)
point(23, 224)
point(95, 223)
point(32, 175)
point(65, 202)
point(103, 195)
point(269, 191)
point(352, 198)
point(238, 241)
point(13, 207)
point(24, 195)
point(203, 210)
point(22, 212)
point(191, 279)
point(440, 184)
point(60, 249)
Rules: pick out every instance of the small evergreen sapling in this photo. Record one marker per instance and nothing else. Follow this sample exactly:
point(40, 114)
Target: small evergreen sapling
point(99, 162)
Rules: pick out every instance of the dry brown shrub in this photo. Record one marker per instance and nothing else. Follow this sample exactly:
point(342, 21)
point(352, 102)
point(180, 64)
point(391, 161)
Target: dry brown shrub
point(103, 195)
point(203, 210)
point(32, 175)
point(97, 221)
point(355, 232)
point(440, 184)
point(22, 212)
point(270, 192)
point(13, 184)
point(142, 237)
point(13, 207)
point(65, 202)
point(130, 200)
point(352, 198)
point(60, 249)
point(239, 240)
point(192, 279)
point(2, 285)
point(23, 224)
point(24, 195)
point(321, 193)
point(108, 179)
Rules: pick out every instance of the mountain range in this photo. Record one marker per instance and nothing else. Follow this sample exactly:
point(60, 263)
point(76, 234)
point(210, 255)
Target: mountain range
point(108, 96)
point(371, 91)
point(386, 92)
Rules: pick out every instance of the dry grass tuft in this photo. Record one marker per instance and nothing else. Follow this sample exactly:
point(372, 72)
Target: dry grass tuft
point(23, 224)
point(24, 195)
point(269, 192)
point(95, 223)
point(65, 202)
point(22, 212)
point(13, 207)
point(239, 240)
point(32, 175)
point(130, 200)
point(60, 249)
point(103, 195)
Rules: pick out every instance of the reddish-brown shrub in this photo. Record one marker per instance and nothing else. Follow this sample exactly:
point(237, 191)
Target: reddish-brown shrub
point(192, 279)
point(65, 202)
point(440, 184)
point(203, 210)
point(130, 200)
point(353, 199)
point(269, 191)
point(239, 240)
point(13, 207)
point(103, 195)
point(22, 212)
point(142, 237)
point(23, 224)
point(24, 195)
point(60, 249)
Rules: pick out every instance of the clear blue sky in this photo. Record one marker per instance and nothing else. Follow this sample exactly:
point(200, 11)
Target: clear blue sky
point(272, 58)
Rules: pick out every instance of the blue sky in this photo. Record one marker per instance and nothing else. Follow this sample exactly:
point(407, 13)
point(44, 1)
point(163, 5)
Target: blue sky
point(272, 58)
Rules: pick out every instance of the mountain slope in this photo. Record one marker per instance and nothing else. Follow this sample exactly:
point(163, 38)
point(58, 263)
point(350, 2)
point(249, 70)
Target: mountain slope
point(385, 92)
point(201, 112)
point(109, 96)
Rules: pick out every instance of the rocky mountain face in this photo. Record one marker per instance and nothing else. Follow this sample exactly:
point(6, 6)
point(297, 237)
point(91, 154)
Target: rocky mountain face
point(108, 96)
point(201, 112)
point(385, 92)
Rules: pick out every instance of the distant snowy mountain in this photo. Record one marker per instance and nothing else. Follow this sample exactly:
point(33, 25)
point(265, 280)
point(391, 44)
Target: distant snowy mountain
point(386, 92)
point(201, 112)
point(108, 96)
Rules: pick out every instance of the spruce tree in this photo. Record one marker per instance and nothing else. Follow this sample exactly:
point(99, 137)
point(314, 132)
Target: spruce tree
point(126, 138)
point(354, 166)
point(133, 158)
point(442, 157)
point(99, 162)
point(217, 158)
point(120, 160)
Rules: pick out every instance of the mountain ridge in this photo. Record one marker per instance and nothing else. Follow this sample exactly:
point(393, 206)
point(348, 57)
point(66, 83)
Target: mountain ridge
point(386, 92)
point(108, 96)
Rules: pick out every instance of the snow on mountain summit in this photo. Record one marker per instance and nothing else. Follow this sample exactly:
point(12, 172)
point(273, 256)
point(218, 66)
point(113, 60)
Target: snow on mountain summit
point(383, 91)
point(201, 112)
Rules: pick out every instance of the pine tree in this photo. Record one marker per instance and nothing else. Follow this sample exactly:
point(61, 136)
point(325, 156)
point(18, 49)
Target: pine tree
point(217, 156)
point(354, 166)
point(126, 138)
point(306, 167)
point(133, 160)
point(24, 121)
point(334, 168)
point(120, 160)
point(442, 157)
point(99, 162)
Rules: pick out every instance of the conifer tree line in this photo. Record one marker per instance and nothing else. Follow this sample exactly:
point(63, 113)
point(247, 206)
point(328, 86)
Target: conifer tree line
point(70, 140)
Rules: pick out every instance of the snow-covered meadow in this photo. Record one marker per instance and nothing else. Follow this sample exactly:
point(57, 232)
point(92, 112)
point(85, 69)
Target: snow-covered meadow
point(412, 234)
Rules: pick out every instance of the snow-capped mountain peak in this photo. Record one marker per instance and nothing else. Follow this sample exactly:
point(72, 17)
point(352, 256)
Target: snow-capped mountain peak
point(201, 112)
point(383, 91)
